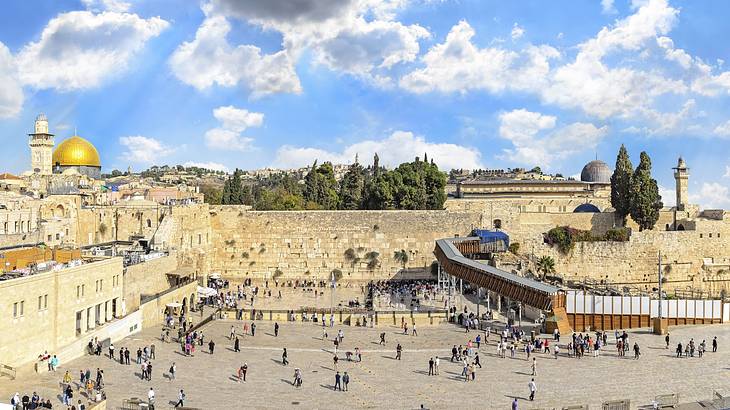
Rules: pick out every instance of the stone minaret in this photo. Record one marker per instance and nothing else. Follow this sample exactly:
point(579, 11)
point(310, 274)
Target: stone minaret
point(681, 176)
point(41, 147)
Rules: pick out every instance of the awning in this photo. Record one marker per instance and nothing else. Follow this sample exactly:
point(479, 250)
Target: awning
point(215, 275)
point(204, 291)
point(174, 305)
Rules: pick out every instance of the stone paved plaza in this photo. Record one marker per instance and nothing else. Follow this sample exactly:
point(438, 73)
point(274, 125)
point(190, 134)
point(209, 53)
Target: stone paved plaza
point(380, 381)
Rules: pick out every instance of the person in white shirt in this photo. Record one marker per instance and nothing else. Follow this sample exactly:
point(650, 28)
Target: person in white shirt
point(151, 396)
point(533, 389)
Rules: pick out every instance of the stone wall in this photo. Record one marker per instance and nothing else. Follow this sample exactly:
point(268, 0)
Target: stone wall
point(310, 244)
point(147, 278)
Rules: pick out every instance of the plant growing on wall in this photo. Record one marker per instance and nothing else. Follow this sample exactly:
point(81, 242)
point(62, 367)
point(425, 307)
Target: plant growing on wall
point(372, 258)
point(277, 273)
point(514, 247)
point(560, 236)
point(401, 257)
point(102, 228)
point(244, 255)
point(546, 266)
point(337, 274)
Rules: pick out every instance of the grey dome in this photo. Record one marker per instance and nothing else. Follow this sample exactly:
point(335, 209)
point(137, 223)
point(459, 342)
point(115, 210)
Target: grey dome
point(587, 208)
point(596, 171)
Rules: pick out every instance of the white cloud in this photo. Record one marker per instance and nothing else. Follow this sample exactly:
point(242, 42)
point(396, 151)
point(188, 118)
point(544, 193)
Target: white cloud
point(109, 5)
point(727, 172)
point(233, 122)
point(517, 32)
point(399, 147)
point(608, 7)
point(143, 149)
point(523, 129)
point(723, 129)
point(211, 60)
point(80, 49)
point(712, 195)
point(358, 37)
point(11, 93)
point(213, 166)
point(669, 197)
point(457, 65)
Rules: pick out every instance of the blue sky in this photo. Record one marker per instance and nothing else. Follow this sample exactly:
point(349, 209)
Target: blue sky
point(474, 83)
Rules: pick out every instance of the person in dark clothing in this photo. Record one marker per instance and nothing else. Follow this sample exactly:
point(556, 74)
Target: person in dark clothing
point(284, 356)
point(714, 344)
point(679, 349)
point(211, 347)
point(276, 329)
point(236, 347)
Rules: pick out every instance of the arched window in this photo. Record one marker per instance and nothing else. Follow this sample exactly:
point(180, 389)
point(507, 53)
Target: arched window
point(680, 227)
point(497, 223)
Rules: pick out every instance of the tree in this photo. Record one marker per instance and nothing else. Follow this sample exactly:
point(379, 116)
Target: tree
point(320, 186)
point(352, 187)
point(401, 256)
point(621, 184)
point(211, 194)
point(546, 266)
point(536, 170)
point(645, 199)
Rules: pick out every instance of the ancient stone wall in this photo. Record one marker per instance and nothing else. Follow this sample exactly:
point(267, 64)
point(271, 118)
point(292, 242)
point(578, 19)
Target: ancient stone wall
point(311, 244)
point(147, 278)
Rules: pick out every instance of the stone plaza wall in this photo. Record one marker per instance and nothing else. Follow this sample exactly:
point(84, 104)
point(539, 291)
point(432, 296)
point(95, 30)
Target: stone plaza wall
point(310, 244)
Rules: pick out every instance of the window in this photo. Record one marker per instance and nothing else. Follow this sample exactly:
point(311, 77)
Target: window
point(18, 308)
point(83, 290)
point(101, 285)
point(43, 302)
point(78, 291)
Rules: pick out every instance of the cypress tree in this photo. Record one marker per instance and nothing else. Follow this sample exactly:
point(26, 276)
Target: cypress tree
point(621, 184)
point(645, 199)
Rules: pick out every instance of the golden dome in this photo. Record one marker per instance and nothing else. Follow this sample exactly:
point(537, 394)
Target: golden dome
point(76, 151)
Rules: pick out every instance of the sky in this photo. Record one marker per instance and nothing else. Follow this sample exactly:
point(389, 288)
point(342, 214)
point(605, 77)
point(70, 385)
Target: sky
point(249, 84)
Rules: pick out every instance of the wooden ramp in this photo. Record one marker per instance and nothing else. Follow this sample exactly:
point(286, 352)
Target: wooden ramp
point(562, 321)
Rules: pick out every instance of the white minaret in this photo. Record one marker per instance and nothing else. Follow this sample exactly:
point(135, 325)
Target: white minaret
point(41, 147)
point(681, 177)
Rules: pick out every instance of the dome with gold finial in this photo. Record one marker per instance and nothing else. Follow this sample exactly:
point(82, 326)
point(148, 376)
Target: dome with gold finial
point(77, 153)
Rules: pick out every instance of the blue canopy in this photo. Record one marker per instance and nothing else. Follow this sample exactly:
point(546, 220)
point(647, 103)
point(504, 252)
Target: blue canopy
point(487, 236)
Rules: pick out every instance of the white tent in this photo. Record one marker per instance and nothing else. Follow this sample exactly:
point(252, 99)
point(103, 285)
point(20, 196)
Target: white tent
point(205, 292)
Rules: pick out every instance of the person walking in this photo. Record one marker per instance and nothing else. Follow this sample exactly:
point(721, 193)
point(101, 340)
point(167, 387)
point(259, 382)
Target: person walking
point(436, 363)
point(398, 350)
point(454, 354)
point(180, 399)
point(297, 377)
point(514, 404)
point(236, 346)
point(284, 357)
point(637, 353)
point(345, 381)
point(149, 370)
point(244, 370)
point(534, 366)
point(211, 346)
point(173, 370)
point(382, 339)
point(232, 333)
point(476, 361)
point(666, 340)
point(714, 344)
point(679, 349)
point(413, 331)
point(430, 366)
point(152, 351)
point(253, 329)
point(337, 385)
point(151, 397)
point(111, 351)
point(276, 329)
point(533, 389)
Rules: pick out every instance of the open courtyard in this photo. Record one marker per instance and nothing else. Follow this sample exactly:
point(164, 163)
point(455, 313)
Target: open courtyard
point(380, 381)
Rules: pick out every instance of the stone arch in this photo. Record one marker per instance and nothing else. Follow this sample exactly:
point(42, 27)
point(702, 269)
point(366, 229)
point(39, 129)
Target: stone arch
point(680, 227)
point(58, 211)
